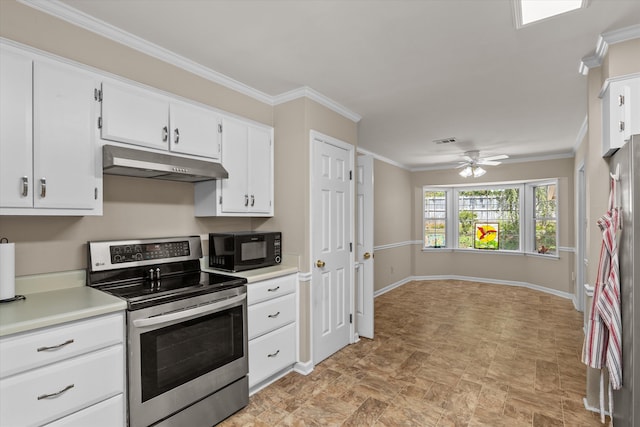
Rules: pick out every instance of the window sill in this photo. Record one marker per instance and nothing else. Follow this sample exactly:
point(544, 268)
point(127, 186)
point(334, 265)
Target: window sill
point(494, 252)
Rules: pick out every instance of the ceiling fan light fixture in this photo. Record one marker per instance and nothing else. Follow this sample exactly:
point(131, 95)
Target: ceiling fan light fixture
point(478, 172)
point(466, 172)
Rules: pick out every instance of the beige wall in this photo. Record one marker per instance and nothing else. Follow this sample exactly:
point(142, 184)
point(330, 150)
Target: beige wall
point(555, 274)
point(393, 202)
point(621, 59)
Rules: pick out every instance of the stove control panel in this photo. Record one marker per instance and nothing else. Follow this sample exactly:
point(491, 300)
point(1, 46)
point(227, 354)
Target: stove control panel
point(104, 255)
point(148, 251)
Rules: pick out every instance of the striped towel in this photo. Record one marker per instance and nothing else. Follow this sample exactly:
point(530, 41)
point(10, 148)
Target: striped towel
point(603, 345)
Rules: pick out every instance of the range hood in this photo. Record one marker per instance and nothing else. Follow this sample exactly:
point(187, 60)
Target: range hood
point(144, 164)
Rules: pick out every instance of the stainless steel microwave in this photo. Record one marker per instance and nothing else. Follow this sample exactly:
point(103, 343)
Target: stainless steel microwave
point(245, 250)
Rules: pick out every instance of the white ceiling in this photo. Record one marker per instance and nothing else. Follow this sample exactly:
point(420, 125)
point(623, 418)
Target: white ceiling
point(415, 71)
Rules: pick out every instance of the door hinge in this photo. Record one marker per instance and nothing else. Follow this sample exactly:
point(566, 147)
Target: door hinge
point(350, 318)
point(219, 128)
point(350, 175)
point(350, 247)
point(99, 122)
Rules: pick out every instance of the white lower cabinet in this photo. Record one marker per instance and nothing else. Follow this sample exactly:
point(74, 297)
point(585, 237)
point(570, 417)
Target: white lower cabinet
point(272, 328)
point(64, 374)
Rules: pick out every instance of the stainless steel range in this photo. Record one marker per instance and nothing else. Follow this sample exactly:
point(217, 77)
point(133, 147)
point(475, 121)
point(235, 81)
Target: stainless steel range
point(187, 359)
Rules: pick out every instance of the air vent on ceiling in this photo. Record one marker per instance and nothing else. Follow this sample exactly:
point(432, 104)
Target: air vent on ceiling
point(445, 140)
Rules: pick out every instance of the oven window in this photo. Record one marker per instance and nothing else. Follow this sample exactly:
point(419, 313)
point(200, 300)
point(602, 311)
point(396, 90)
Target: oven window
point(177, 354)
point(254, 250)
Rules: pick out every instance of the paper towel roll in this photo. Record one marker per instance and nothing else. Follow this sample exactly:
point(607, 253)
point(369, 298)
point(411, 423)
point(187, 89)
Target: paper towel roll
point(7, 270)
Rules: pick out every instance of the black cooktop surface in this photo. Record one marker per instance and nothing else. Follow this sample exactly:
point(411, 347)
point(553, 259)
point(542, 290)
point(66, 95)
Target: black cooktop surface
point(146, 292)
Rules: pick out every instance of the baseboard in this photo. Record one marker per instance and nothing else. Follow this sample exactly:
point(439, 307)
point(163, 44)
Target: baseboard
point(304, 368)
point(555, 292)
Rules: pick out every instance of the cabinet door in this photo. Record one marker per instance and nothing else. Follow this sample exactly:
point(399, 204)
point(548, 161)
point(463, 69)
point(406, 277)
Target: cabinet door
point(16, 177)
point(64, 131)
point(260, 170)
point(135, 116)
point(234, 192)
point(195, 130)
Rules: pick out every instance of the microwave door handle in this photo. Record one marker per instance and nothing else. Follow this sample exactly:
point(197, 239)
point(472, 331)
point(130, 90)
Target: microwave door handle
point(180, 315)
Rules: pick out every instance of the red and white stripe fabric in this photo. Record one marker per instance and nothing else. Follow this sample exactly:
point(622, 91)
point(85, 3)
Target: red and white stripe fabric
point(603, 343)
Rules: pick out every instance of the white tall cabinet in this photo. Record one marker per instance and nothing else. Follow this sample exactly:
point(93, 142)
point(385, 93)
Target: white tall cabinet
point(48, 157)
point(247, 154)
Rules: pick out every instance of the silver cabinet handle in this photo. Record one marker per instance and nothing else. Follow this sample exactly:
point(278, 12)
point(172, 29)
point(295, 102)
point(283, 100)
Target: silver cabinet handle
point(273, 316)
point(273, 289)
point(273, 354)
point(43, 187)
point(56, 394)
point(253, 200)
point(621, 126)
point(25, 186)
point(55, 347)
point(176, 135)
point(246, 200)
point(165, 134)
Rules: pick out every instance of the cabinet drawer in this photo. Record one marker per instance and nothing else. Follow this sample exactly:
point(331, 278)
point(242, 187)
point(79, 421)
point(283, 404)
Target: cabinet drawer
point(34, 349)
point(109, 413)
point(90, 379)
point(270, 315)
point(271, 353)
point(271, 288)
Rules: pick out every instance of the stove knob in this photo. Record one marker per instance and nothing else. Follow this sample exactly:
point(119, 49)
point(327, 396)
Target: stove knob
point(139, 256)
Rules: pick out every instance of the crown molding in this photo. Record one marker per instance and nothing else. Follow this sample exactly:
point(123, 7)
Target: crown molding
point(75, 17)
point(604, 41)
point(314, 95)
point(582, 132)
point(382, 158)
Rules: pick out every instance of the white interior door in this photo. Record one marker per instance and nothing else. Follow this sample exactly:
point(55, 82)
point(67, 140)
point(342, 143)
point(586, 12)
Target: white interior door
point(364, 247)
point(331, 245)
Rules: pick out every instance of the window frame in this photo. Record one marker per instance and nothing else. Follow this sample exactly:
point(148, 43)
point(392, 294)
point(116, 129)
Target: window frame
point(447, 226)
point(531, 217)
point(526, 206)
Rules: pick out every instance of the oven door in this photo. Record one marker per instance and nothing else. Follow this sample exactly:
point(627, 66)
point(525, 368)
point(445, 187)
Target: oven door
point(183, 351)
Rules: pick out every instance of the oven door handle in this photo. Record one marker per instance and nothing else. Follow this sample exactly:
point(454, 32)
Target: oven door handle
point(184, 314)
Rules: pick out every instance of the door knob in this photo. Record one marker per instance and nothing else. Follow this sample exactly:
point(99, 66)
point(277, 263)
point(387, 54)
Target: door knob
point(367, 255)
point(320, 264)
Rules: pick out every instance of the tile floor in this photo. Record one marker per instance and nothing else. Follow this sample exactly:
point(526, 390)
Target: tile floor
point(445, 353)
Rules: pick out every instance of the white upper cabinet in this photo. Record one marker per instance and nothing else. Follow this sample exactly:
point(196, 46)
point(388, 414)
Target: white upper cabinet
point(50, 165)
point(620, 112)
point(247, 154)
point(16, 146)
point(195, 130)
point(134, 115)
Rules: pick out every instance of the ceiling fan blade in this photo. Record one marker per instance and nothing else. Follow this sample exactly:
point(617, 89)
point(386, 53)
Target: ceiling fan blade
point(498, 157)
point(488, 162)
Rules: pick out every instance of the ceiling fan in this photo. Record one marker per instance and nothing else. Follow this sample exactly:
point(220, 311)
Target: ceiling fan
point(473, 162)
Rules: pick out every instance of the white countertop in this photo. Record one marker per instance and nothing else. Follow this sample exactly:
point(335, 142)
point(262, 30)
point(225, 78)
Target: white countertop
point(54, 307)
point(69, 299)
point(258, 274)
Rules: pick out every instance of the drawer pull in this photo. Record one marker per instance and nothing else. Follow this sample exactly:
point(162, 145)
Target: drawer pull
point(273, 354)
point(49, 396)
point(273, 289)
point(273, 316)
point(55, 347)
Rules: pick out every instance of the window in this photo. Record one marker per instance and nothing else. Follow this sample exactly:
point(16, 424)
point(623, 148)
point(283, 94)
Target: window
point(489, 219)
point(435, 219)
point(545, 218)
point(502, 217)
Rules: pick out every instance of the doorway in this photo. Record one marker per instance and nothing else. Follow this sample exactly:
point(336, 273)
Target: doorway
point(332, 236)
